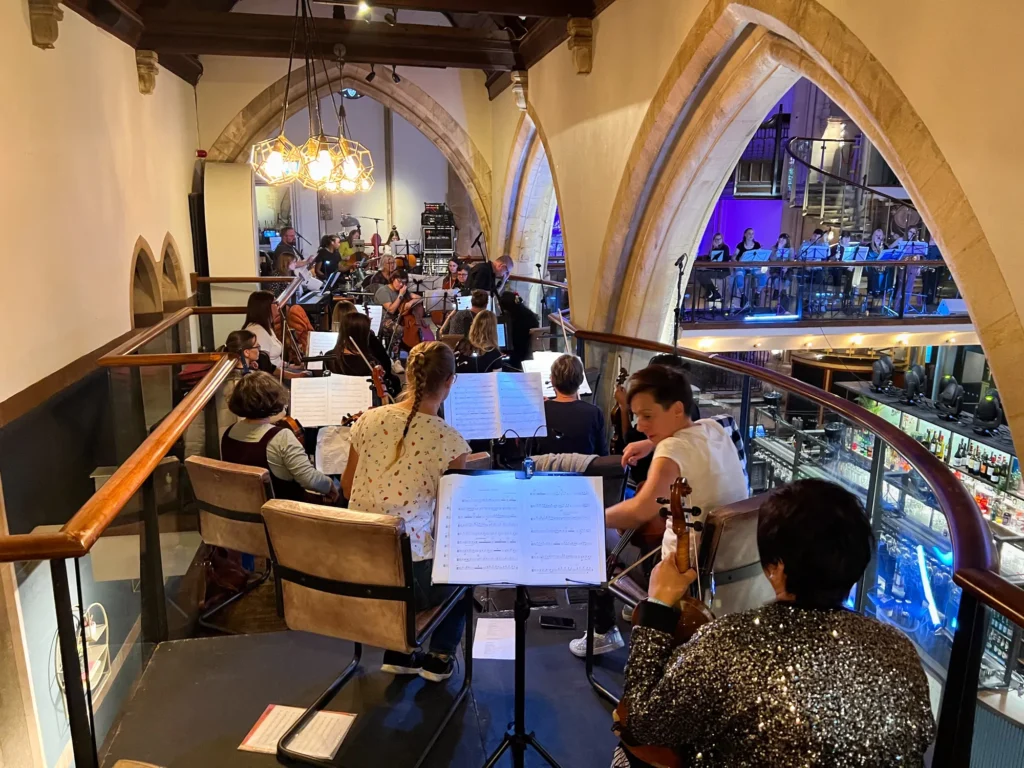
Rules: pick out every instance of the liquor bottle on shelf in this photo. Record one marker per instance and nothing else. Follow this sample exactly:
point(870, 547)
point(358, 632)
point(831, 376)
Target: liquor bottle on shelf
point(958, 457)
point(972, 464)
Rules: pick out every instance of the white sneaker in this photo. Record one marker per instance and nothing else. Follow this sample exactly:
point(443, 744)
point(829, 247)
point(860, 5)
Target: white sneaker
point(627, 614)
point(606, 643)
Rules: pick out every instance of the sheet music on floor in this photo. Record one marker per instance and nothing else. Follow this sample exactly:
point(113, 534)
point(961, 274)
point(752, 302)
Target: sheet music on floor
point(326, 401)
point(482, 406)
point(541, 363)
point(319, 738)
point(320, 343)
point(495, 528)
point(375, 312)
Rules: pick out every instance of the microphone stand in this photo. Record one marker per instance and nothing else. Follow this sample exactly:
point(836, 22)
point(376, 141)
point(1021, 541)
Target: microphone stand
point(681, 267)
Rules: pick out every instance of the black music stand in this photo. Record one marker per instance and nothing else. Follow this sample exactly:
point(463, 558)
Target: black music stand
point(517, 738)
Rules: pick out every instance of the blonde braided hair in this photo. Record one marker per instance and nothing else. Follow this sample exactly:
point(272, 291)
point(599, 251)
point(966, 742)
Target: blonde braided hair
point(429, 366)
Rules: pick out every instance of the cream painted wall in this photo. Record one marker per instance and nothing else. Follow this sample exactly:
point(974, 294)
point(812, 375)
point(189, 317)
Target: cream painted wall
point(971, 103)
point(91, 165)
point(230, 219)
point(590, 121)
point(504, 121)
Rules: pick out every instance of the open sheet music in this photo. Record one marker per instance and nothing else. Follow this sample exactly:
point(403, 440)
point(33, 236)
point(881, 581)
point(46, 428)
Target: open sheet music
point(320, 343)
point(375, 312)
point(541, 363)
point(482, 406)
point(493, 528)
point(327, 401)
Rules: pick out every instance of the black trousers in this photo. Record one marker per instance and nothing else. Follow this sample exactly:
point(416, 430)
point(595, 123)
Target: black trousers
point(448, 634)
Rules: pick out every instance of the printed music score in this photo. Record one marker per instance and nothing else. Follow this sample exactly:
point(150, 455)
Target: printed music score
point(327, 401)
point(482, 406)
point(320, 343)
point(376, 314)
point(541, 363)
point(494, 528)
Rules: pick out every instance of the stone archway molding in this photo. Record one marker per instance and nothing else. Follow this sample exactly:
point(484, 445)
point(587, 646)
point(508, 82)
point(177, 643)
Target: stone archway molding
point(260, 116)
point(175, 286)
point(802, 39)
point(152, 309)
point(525, 135)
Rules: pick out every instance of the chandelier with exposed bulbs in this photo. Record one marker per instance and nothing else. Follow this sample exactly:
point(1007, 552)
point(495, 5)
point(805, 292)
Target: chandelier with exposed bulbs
point(324, 163)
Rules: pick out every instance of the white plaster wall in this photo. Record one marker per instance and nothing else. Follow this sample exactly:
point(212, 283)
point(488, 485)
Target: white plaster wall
point(90, 165)
point(421, 176)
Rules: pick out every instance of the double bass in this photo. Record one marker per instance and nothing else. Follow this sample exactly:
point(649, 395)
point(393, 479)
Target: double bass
point(693, 614)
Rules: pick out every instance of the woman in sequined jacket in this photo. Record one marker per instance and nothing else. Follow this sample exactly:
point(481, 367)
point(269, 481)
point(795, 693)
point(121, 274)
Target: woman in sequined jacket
point(799, 682)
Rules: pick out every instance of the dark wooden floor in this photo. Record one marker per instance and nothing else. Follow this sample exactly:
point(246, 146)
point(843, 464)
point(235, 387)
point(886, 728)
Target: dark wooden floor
point(198, 699)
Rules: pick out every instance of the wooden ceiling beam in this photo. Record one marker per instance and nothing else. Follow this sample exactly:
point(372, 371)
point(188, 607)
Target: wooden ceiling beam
point(263, 35)
point(538, 8)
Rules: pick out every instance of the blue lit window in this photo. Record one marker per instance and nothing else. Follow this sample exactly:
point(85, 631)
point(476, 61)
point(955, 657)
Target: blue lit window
point(556, 248)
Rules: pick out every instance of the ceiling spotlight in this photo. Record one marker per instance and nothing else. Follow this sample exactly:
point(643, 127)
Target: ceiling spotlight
point(857, 340)
point(364, 8)
point(951, 340)
point(373, 73)
point(394, 74)
point(809, 344)
point(391, 19)
point(704, 344)
point(904, 339)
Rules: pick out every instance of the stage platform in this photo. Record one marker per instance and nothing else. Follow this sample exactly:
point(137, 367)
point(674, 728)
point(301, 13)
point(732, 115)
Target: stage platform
point(198, 699)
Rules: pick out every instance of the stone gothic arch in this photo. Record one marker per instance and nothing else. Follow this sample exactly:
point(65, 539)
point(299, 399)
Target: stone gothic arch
point(146, 300)
point(259, 116)
point(173, 285)
point(736, 56)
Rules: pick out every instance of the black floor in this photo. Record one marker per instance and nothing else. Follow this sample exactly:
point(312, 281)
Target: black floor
point(198, 699)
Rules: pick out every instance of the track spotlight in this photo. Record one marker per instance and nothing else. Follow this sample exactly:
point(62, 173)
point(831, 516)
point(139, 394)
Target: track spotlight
point(373, 73)
point(394, 74)
point(391, 19)
point(364, 8)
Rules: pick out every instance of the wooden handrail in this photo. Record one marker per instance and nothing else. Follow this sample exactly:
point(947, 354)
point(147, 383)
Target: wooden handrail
point(538, 281)
point(198, 279)
point(91, 520)
point(559, 319)
point(145, 336)
point(972, 543)
point(168, 358)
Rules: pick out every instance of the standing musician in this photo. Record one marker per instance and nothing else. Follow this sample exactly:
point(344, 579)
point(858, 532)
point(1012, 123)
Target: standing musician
point(490, 276)
point(328, 258)
point(800, 680)
point(661, 397)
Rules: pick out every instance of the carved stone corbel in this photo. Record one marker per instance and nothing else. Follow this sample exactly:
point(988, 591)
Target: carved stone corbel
point(520, 88)
point(43, 18)
point(145, 63)
point(581, 44)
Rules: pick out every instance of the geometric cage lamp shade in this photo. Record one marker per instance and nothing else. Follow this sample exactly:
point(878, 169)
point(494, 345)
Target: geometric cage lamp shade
point(335, 165)
point(276, 160)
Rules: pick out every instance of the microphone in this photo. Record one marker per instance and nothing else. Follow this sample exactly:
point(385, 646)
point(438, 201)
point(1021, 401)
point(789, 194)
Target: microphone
point(478, 236)
point(682, 260)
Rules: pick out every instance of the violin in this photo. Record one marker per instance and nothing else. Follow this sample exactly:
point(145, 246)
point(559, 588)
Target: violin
point(693, 615)
point(376, 373)
point(618, 430)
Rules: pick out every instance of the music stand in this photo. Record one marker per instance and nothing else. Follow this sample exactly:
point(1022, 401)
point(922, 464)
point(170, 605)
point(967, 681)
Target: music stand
point(517, 738)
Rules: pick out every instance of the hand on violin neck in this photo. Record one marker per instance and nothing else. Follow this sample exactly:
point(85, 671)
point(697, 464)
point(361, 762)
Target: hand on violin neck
point(668, 584)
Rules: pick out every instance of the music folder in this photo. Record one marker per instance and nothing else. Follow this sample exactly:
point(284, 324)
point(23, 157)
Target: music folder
point(320, 343)
point(507, 528)
point(326, 401)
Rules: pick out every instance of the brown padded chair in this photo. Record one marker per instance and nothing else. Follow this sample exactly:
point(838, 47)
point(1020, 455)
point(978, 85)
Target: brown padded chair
point(348, 574)
point(230, 498)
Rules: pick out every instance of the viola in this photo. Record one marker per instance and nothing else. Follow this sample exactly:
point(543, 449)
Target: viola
point(693, 615)
point(376, 373)
point(618, 433)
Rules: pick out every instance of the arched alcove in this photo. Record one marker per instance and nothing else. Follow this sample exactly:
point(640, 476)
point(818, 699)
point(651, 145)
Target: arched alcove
point(263, 113)
point(146, 297)
point(172, 276)
point(738, 58)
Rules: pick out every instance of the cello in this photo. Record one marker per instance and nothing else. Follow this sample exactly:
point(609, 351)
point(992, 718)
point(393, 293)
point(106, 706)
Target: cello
point(693, 614)
point(619, 427)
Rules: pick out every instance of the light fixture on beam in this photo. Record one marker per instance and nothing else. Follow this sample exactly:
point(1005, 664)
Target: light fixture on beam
point(373, 73)
point(394, 74)
point(363, 9)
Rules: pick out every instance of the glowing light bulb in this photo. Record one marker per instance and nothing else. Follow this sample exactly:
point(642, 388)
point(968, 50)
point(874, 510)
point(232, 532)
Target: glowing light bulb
point(364, 184)
point(331, 186)
point(347, 185)
point(350, 168)
point(321, 168)
point(364, 8)
point(274, 167)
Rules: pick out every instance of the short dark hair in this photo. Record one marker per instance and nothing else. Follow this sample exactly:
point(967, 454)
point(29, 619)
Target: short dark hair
point(820, 533)
point(819, 232)
point(567, 374)
point(671, 360)
point(666, 385)
point(399, 274)
point(479, 299)
point(258, 396)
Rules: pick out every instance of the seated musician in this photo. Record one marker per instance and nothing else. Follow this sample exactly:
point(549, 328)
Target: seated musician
point(451, 277)
point(463, 274)
point(573, 425)
point(356, 341)
point(259, 320)
point(459, 321)
point(415, 326)
point(479, 352)
point(259, 401)
point(800, 680)
point(341, 309)
point(661, 397)
point(398, 455)
point(392, 295)
point(519, 320)
point(383, 275)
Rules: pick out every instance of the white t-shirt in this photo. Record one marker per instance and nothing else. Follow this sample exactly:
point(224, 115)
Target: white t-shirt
point(407, 487)
point(707, 458)
point(268, 343)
